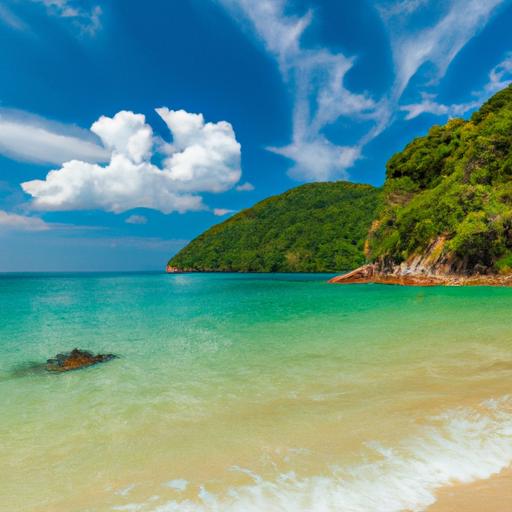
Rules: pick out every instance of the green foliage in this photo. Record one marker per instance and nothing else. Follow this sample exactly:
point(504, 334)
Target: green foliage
point(454, 183)
point(318, 227)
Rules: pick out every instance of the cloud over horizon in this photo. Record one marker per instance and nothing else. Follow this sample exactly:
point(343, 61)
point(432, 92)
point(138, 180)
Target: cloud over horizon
point(16, 222)
point(32, 138)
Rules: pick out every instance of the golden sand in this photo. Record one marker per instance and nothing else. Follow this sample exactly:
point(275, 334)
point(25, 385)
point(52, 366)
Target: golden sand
point(492, 495)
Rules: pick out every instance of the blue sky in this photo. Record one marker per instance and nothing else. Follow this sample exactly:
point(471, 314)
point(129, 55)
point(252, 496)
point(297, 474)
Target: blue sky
point(127, 128)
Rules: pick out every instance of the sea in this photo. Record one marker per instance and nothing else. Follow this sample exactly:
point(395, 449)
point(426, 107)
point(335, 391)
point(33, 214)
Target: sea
point(249, 393)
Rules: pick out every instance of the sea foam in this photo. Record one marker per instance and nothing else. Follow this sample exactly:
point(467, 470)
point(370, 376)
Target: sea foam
point(460, 446)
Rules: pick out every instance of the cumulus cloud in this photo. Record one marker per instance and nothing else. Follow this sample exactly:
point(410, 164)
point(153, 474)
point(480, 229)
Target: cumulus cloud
point(31, 138)
point(15, 222)
point(220, 212)
point(245, 187)
point(125, 134)
point(136, 219)
point(203, 157)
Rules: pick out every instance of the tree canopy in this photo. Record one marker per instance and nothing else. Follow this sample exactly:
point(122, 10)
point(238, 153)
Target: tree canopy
point(318, 227)
point(456, 182)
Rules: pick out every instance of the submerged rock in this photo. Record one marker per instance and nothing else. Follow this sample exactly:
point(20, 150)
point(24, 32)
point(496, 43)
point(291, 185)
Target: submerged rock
point(76, 359)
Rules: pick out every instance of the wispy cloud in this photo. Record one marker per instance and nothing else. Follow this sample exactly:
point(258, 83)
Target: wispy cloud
point(428, 105)
point(31, 138)
point(134, 242)
point(136, 219)
point(391, 9)
point(15, 222)
point(220, 212)
point(245, 187)
point(87, 20)
point(316, 78)
point(10, 19)
point(437, 44)
point(499, 77)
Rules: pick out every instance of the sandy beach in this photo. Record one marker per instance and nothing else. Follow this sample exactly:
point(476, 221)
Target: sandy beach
point(492, 495)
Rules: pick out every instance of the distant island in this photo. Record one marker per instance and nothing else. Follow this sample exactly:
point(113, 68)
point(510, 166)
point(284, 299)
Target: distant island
point(443, 216)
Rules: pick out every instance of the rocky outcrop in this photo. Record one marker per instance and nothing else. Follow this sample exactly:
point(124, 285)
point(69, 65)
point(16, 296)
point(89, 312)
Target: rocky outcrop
point(173, 270)
point(405, 276)
point(433, 267)
point(75, 360)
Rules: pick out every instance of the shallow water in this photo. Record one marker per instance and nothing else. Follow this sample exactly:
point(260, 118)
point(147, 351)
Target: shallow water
point(249, 393)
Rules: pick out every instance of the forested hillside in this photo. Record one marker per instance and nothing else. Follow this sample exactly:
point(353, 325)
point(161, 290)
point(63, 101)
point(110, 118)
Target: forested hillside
point(318, 227)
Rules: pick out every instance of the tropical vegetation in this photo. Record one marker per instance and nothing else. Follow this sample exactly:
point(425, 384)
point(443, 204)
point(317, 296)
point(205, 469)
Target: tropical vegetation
point(318, 227)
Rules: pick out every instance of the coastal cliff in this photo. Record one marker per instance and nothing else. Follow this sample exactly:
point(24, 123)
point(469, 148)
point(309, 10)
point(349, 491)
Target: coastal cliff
point(447, 210)
point(443, 216)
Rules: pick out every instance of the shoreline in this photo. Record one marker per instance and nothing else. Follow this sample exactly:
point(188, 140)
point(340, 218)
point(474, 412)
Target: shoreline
point(493, 494)
point(369, 274)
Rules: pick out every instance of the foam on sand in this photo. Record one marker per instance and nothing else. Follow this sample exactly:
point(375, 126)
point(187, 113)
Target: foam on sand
point(461, 446)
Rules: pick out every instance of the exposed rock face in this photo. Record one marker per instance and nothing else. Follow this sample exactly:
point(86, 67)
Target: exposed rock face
point(407, 276)
point(76, 359)
point(173, 270)
point(431, 268)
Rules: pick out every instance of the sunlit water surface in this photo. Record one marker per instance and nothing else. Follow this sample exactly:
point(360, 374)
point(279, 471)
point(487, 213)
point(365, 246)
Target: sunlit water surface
point(249, 393)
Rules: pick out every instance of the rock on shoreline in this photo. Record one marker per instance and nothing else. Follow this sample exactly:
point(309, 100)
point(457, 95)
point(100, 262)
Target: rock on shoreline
point(400, 276)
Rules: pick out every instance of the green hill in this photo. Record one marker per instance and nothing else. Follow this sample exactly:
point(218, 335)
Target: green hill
point(446, 208)
point(318, 227)
point(448, 197)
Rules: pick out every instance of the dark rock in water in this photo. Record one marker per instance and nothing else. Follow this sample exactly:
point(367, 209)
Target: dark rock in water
point(76, 359)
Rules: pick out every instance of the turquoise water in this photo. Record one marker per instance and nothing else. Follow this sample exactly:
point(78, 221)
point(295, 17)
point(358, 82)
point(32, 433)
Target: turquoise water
point(249, 392)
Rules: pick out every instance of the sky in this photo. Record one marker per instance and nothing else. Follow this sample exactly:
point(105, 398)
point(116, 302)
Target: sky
point(128, 128)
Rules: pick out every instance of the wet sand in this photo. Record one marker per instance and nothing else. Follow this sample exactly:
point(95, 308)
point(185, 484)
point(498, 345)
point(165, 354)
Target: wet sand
point(492, 495)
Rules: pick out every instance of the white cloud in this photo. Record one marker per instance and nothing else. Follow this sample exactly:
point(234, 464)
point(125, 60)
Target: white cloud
point(400, 8)
point(136, 219)
point(499, 77)
point(88, 21)
point(245, 187)
point(317, 159)
point(428, 105)
point(438, 44)
point(203, 157)
point(15, 222)
point(220, 212)
point(30, 138)
point(316, 77)
point(125, 134)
